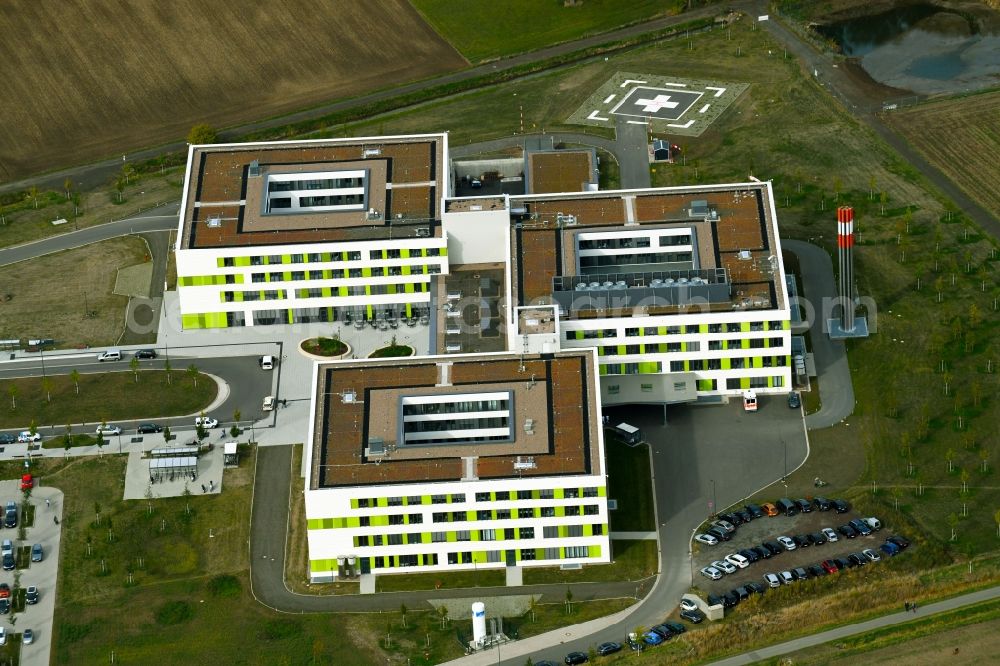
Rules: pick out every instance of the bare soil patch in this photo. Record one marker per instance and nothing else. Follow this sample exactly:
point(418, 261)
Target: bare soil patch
point(110, 77)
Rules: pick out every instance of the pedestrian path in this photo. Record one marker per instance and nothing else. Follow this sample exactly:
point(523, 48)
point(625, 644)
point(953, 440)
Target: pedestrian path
point(633, 536)
point(901, 617)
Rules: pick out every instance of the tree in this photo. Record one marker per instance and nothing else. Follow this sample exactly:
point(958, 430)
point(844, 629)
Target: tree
point(965, 481)
point(47, 387)
point(984, 456)
point(569, 601)
point(97, 510)
point(199, 428)
point(592, 654)
point(12, 392)
point(134, 367)
point(532, 606)
point(949, 455)
point(871, 188)
point(882, 199)
point(202, 133)
point(74, 376)
point(166, 434)
point(33, 194)
point(128, 172)
point(69, 434)
point(953, 523)
point(443, 611)
point(100, 437)
point(402, 611)
point(120, 188)
point(68, 187)
point(192, 371)
point(166, 369)
point(33, 428)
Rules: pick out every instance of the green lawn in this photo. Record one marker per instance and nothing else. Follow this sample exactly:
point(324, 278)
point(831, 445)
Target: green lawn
point(630, 483)
point(392, 351)
point(440, 580)
point(109, 395)
point(505, 28)
point(633, 560)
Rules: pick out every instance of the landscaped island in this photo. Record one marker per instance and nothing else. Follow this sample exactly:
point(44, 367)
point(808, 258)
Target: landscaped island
point(324, 347)
point(391, 351)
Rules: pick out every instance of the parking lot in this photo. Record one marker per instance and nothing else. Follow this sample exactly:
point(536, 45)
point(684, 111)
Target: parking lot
point(37, 617)
point(763, 529)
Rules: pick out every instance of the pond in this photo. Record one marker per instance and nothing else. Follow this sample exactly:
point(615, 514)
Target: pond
point(923, 48)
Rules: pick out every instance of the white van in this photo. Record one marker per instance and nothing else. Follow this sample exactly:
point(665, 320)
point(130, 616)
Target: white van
point(266, 362)
point(110, 355)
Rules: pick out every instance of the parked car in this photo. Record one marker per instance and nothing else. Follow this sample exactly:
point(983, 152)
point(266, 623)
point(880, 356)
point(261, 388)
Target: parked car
point(36, 553)
point(742, 592)
point(859, 559)
point(874, 523)
point(800, 573)
point(663, 630)
point(816, 570)
point(4, 591)
point(108, 430)
point(860, 526)
point(28, 436)
point(268, 404)
point(763, 552)
point(847, 531)
point(576, 658)
point(634, 642)
point(730, 599)
point(889, 548)
point(772, 580)
point(715, 600)
point(711, 573)
point(8, 562)
point(787, 542)
point(801, 541)
point(830, 535)
point(871, 554)
point(805, 506)
point(738, 560)
point(786, 577)
point(206, 422)
point(145, 353)
point(724, 566)
point(148, 428)
point(744, 515)
point(724, 525)
point(719, 533)
point(755, 587)
point(652, 638)
point(706, 539)
point(4, 608)
point(793, 400)
point(694, 616)
point(27, 482)
point(31, 595)
point(816, 538)
point(787, 507)
point(676, 628)
point(770, 509)
point(688, 604)
point(822, 503)
point(841, 506)
point(755, 510)
point(28, 637)
point(750, 554)
point(902, 542)
point(110, 355)
point(7, 438)
point(604, 649)
point(829, 566)
point(3, 632)
point(775, 547)
point(842, 563)
point(731, 518)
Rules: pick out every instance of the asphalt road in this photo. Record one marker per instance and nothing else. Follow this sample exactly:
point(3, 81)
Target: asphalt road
point(163, 218)
point(835, 387)
point(632, 153)
point(247, 384)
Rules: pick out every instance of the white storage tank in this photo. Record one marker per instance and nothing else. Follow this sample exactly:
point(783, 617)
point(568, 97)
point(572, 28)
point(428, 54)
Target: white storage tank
point(478, 622)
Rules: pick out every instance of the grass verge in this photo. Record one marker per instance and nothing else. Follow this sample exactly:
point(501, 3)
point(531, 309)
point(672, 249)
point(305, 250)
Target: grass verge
point(633, 561)
point(111, 396)
point(630, 483)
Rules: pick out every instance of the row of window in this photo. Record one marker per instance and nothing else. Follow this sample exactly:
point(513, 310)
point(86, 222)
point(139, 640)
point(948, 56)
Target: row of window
point(508, 534)
point(321, 257)
point(631, 242)
point(330, 274)
point(692, 346)
point(731, 327)
point(489, 556)
point(487, 496)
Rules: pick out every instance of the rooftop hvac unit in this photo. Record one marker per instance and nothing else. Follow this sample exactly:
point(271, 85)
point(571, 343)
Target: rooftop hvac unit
point(214, 222)
point(372, 152)
point(254, 170)
point(423, 232)
point(744, 255)
point(525, 462)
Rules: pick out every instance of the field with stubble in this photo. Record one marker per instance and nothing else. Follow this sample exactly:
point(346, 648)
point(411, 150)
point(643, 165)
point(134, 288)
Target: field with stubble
point(84, 81)
point(961, 137)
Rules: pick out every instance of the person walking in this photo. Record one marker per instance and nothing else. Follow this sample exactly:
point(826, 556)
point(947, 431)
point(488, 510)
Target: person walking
point(48, 503)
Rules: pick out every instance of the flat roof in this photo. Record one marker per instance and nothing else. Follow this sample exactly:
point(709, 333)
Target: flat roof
point(733, 230)
point(555, 425)
point(225, 191)
point(560, 170)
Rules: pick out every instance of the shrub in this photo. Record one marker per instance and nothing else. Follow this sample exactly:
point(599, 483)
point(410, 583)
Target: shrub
point(174, 612)
point(225, 586)
point(276, 630)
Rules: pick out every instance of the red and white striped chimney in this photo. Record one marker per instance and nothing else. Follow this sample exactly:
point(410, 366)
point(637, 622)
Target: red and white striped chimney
point(845, 246)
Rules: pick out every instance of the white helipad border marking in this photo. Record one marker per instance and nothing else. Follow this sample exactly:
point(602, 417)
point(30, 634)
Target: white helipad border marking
point(593, 116)
point(607, 100)
point(718, 91)
point(684, 126)
point(636, 122)
point(678, 116)
point(626, 82)
point(675, 85)
point(704, 108)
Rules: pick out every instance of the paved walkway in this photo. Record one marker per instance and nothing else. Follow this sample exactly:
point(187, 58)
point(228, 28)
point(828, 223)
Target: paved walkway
point(861, 627)
point(633, 536)
point(835, 387)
